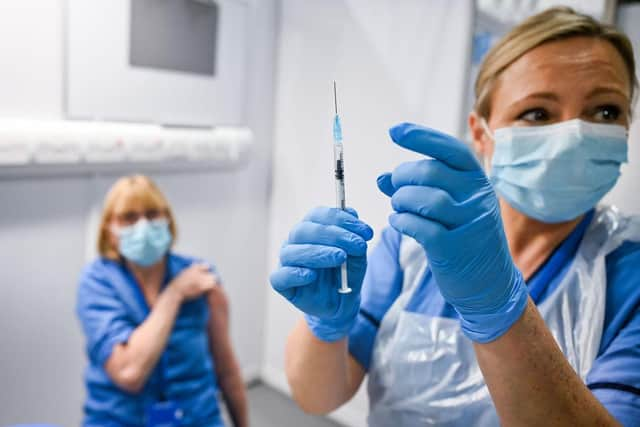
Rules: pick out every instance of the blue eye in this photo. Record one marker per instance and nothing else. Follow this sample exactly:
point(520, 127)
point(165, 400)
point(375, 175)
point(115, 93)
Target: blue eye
point(534, 115)
point(607, 113)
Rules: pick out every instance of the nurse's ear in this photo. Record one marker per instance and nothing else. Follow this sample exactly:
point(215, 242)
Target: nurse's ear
point(482, 142)
point(112, 236)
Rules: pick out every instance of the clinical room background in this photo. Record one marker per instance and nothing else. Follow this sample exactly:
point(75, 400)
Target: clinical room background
point(400, 60)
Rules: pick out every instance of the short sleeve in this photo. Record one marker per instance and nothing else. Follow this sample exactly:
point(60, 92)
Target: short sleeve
point(623, 405)
point(382, 285)
point(103, 316)
point(615, 375)
point(216, 273)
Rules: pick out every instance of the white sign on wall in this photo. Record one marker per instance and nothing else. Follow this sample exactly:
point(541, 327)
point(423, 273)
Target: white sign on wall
point(178, 62)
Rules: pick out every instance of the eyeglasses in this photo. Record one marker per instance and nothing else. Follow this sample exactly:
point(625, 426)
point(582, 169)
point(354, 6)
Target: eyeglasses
point(131, 217)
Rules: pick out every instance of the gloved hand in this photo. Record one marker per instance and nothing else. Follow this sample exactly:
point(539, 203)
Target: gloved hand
point(447, 204)
point(309, 276)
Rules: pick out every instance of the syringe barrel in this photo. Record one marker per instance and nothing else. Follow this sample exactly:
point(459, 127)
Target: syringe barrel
point(339, 175)
point(341, 202)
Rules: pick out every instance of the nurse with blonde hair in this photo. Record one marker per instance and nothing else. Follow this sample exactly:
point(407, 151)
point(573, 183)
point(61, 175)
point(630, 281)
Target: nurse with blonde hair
point(156, 323)
point(502, 292)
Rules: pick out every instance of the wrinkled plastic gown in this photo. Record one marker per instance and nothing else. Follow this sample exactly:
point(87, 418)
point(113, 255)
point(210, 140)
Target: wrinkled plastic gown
point(424, 370)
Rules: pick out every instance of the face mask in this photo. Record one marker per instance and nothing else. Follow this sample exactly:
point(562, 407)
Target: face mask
point(145, 242)
point(557, 172)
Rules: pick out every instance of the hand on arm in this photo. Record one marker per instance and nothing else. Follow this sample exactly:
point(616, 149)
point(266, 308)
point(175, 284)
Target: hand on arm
point(226, 364)
point(131, 363)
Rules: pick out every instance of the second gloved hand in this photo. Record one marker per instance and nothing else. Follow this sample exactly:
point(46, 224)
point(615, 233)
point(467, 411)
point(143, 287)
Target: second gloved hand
point(448, 205)
point(309, 276)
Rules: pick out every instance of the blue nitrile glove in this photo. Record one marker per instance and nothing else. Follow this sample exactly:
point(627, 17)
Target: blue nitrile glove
point(309, 276)
point(447, 204)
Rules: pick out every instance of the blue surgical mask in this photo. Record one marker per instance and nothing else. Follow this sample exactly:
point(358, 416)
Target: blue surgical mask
point(557, 172)
point(145, 242)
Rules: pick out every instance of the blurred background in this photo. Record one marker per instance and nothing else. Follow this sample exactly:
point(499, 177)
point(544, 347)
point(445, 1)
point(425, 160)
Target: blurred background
point(228, 105)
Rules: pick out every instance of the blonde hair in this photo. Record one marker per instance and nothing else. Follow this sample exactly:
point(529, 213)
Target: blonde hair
point(553, 24)
point(129, 190)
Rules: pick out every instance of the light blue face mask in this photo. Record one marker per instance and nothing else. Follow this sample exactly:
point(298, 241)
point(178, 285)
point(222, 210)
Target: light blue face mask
point(557, 172)
point(145, 242)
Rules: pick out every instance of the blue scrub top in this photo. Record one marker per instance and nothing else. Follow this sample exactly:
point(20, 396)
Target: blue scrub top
point(615, 375)
point(110, 307)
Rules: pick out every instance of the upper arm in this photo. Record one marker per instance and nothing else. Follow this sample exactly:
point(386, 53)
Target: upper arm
point(356, 376)
point(218, 304)
point(218, 330)
point(103, 316)
point(615, 375)
point(382, 285)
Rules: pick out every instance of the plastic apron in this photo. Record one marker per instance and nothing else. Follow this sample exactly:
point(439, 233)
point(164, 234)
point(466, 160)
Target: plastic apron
point(424, 370)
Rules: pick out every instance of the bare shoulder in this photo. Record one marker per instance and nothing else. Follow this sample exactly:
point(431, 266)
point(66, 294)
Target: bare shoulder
point(217, 298)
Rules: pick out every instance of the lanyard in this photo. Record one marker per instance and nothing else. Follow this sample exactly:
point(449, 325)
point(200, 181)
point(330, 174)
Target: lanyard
point(559, 258)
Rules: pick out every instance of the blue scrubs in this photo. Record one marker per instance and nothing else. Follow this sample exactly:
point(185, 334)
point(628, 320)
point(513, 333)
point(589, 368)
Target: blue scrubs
point(110, 307)
point(615, 375)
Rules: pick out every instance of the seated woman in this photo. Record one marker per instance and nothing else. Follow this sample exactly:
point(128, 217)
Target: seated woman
point(156, 322)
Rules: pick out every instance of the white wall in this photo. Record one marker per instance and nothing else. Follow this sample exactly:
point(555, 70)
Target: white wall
point(625, 194)
point(43, 223)
point(393, 61)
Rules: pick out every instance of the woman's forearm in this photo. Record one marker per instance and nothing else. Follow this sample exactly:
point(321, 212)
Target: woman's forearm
point(322, 375)
point(130, 364)
point(235, 396)
point(227, 368)
point(531, 382)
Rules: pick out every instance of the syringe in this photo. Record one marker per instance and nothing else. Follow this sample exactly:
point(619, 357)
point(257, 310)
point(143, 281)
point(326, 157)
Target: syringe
point(341, 202)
